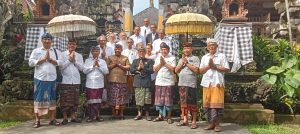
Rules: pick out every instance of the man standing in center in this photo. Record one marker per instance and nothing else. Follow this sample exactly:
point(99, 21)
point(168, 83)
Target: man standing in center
point(164, 66)
point(142, 69)
point(118, 93)
point(188, 69)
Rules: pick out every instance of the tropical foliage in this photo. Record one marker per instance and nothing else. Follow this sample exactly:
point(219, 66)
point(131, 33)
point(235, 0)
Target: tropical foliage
point(286, 79)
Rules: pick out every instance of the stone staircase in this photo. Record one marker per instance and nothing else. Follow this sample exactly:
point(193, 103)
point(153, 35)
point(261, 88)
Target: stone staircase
point(247, 113)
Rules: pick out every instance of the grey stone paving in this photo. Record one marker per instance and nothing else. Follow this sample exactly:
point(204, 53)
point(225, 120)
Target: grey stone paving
point(127, 126)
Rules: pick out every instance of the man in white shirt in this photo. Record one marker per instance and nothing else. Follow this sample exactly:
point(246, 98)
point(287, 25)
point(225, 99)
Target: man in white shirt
point(72, 63)
point(112, 40)
point(164, 66)
point(145, 30)
point(213, 66)
point(45, 59)
point(123, 40)
point(137, 38)
point(95, 70)
point(105, 51)
point(153, 35)
point(161, 38)
point(130, 52)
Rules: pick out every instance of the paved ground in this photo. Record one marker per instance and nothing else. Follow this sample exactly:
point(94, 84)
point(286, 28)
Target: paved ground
point(127, 126)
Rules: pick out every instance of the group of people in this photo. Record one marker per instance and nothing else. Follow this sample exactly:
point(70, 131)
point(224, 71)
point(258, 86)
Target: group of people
point(112, 65)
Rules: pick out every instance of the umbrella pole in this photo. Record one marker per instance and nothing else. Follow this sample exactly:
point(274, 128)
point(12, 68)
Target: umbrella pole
point(187, 36)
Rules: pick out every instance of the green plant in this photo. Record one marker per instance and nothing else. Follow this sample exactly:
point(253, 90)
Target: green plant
point(16, 90)
point(286, 79)
point(268, 52)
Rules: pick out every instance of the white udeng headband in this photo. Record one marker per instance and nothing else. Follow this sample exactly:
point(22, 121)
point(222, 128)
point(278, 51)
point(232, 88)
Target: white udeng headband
point(211, 40)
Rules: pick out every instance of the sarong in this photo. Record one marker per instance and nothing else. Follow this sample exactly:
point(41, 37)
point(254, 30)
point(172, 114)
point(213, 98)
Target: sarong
point(94, 99)
point(143, 98)
point(163, 99)
point(118, 95)
point(213, 102)
point(69, 97)
point(188, 100)
point(44, 96)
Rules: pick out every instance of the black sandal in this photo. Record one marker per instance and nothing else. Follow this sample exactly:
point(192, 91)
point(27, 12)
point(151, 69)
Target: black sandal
point(89, 120)
point(64, 122)
point(137, 117)
point(157, 119)
point(54, 123)
point(37, 124)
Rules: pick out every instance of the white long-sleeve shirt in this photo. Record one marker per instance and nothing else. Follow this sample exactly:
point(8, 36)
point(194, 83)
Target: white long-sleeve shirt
point(70, 70)
point(95, 75)
point(45, 71)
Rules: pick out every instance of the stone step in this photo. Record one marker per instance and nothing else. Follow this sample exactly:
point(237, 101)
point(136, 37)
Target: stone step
point(248, 116)
point(243, 106)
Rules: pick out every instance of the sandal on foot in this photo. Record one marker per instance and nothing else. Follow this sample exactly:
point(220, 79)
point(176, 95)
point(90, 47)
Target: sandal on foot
point(181, 123)
point(158, 119)
point(54, 123)
point(209, 127)
point(138, 117)
point(170, 121)
point(194, 126)
point(89, 120)
point(217, 129)
point(99, 119)
point(37, 124)
point(64, 122)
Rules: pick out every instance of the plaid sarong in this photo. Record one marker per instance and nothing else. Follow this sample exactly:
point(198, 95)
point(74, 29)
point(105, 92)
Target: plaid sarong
point(227, 35)
point(33, 40)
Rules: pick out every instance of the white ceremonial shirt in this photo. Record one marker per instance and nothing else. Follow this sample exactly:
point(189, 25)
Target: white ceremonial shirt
point(157, 42)
point(70, 70)
point(213, 77)
point(144, 30)
point(95, 75)
point(164, 76)
point(45, 71)
point(131, 54)
point(138, 39)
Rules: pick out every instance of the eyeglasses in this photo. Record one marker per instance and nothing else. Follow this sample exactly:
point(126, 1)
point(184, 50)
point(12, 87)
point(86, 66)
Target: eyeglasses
point(46, 38)
point(129, 42)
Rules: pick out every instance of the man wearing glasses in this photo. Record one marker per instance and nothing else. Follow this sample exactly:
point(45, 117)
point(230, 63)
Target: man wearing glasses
point(153, 35)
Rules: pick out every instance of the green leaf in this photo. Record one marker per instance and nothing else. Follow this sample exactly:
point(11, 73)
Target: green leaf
point(275, 70)
point(292, 82)
point(288, 89)
point(270, 79)
point(289, 63)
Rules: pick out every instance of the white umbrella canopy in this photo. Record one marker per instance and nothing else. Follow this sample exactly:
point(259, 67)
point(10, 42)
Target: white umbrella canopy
point(72, 26)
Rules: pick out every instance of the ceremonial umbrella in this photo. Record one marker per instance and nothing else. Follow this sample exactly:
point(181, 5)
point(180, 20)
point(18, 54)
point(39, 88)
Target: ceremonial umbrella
point(72, 26)
point(189, 23)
